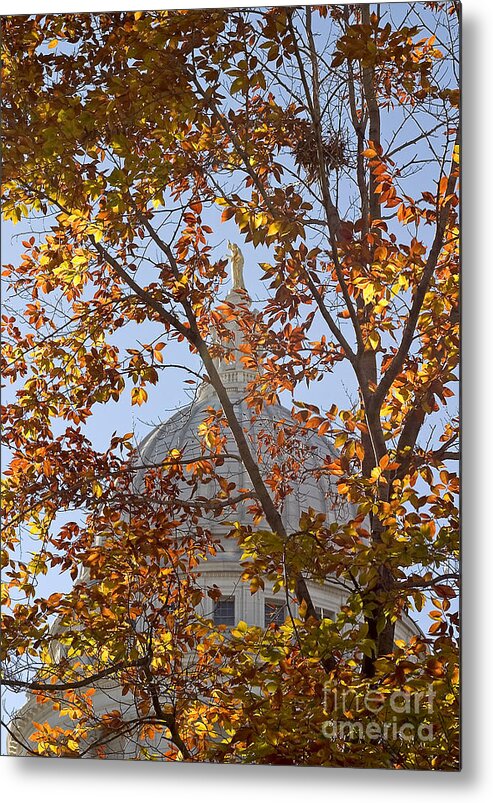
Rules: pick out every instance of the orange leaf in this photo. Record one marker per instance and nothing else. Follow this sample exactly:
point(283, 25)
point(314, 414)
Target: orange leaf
point(227, 214)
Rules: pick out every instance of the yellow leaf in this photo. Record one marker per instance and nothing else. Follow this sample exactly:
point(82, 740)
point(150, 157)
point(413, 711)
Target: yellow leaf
point(139, 396)
point(255, 584)
point(368, 292)
point(240, 629)
point(274, 228)
point(97, 489)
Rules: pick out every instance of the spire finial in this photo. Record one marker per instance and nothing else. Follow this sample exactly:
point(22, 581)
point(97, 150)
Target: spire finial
point(237, 263)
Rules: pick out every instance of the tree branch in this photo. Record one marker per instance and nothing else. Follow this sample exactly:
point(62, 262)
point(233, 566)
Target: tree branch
point(74, 684)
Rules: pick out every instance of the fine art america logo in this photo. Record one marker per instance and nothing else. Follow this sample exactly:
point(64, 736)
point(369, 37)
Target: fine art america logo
point(374, 716)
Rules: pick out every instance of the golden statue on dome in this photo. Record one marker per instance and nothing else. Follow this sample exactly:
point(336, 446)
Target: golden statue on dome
point(237, 262)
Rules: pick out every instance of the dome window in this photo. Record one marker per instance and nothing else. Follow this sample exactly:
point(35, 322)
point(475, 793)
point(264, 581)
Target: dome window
point(224, 612)
point(274, 612)
point(325, 613)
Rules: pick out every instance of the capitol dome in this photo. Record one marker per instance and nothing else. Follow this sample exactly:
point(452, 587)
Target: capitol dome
point(305, 491)
point(182, 432)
